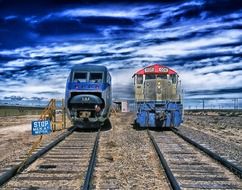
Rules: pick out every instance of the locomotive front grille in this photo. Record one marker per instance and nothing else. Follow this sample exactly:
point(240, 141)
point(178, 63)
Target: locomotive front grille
point(84, 114)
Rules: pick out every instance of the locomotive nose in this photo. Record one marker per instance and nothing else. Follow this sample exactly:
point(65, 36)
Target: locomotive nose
point(86, 101)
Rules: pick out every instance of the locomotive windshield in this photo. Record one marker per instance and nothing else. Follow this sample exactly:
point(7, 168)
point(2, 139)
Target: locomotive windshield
point(162, 76)
point(96, 77)
point(80, 77)
point(150, 76)
point(153, 76)
point(88, 77)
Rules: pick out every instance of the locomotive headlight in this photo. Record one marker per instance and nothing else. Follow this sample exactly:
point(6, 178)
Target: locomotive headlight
point(158, 83)
point(159, 87)
point(97, 108)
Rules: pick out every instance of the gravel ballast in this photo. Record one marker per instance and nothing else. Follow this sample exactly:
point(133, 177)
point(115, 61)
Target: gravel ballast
point(222, 134)
point(127, 159)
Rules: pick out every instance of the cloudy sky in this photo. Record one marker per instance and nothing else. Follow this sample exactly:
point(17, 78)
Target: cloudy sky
point(41, 40)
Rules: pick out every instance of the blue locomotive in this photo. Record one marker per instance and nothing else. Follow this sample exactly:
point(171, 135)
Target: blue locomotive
point(88, 95)
point(158, 97)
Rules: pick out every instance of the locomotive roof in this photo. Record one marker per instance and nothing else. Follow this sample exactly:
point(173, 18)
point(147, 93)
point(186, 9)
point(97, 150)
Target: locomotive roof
point(155, 69)
point(89, 68)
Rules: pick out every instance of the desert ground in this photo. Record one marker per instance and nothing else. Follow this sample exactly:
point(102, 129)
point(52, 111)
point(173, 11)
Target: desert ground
point(220, 132)
point(16, 137)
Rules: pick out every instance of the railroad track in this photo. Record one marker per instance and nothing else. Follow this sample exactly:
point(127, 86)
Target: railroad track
point(66, 163)
point(189, 167)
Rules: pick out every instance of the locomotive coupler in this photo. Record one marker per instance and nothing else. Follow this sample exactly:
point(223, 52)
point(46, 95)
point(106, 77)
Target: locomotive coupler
point(160, 116)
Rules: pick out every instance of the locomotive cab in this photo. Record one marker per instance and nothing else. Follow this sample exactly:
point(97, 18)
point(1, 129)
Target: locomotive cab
point(156, 85)
point(86, 104)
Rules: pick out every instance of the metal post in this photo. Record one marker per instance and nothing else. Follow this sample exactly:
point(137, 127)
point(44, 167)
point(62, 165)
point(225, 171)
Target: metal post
point(63, 115)
point(236, 102)
point(54, 112)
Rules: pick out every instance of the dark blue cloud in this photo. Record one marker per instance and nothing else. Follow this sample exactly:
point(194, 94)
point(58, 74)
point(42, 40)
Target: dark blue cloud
point(106, 21)
point(6, 58)
point(215, 92)
point(222, 7)
point(63, 27)
point(15, 32)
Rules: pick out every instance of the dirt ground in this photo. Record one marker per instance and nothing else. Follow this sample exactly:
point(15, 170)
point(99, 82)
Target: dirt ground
point(126, 158)
point(16, 138)
point(227, 128)
point(223, 132)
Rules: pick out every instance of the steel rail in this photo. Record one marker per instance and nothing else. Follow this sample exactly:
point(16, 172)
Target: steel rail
point(174, 184)
point(232, 167)
point(6, 176)
point(88, 178)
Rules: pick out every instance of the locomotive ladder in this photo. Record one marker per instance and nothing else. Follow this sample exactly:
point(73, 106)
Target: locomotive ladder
point(50, 112)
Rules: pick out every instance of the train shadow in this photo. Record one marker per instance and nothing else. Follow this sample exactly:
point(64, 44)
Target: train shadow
point(86, 129)
point(137, 128)
point(90, 127)
point(107, 125)
point(158, 129)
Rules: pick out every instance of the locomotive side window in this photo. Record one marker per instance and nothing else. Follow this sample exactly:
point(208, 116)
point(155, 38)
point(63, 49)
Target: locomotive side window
point(139, 79)
point(150, 76)
point(108, 78)
point(96, 77)
point(80, 77)
point(173, 79)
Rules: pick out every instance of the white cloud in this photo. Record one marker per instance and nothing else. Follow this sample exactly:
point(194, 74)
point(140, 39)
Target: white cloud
point(219, 68)
point(195, 81)
point(108, 11)
point(18, 63)
point(190, 46)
